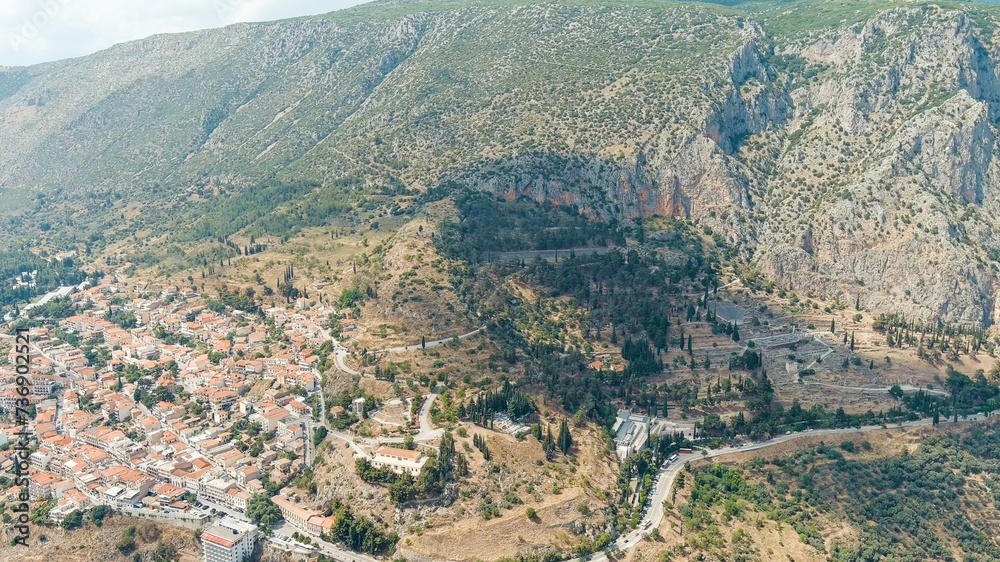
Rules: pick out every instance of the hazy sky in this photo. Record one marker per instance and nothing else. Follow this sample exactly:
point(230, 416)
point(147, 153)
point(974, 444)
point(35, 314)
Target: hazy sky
point(33, 31)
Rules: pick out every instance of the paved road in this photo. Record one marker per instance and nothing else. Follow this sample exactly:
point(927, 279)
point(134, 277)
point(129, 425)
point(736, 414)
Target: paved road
point(434, 343)
point(667, 475)
point(546, 254)
point(330, 432)
point(282, 537)
point(285, 530)
point(426, 433)
point(339, 354)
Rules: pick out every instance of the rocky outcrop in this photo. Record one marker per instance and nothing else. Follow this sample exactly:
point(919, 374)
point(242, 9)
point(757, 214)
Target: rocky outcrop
point(904, 217)
point(855, 161)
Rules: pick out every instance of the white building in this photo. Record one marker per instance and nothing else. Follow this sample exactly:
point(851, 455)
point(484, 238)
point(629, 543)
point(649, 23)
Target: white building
point(229, 541)
point(399, 460)
point(358, 407)
point(631, 433)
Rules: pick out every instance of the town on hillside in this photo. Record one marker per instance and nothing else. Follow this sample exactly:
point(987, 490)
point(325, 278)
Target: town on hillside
point(160, 402)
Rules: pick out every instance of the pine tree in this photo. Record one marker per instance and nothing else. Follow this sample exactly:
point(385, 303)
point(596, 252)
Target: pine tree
point(833, 326)
point(852, 341)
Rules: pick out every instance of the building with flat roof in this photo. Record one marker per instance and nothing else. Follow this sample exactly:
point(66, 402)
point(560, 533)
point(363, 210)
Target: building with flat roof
point(229, 541)
point(631, 433)
point(399, 460)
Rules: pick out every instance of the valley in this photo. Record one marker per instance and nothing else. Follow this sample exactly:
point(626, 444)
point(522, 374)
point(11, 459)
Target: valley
point(510, 282)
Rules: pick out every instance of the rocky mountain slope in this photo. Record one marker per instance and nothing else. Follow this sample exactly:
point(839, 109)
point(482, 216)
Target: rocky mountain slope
point(845, 147)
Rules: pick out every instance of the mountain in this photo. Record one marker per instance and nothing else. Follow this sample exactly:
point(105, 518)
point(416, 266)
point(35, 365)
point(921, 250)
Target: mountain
point(844, 147)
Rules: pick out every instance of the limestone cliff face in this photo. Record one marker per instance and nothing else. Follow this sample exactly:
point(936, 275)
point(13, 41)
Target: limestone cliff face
point(874, 178)
point(854, 158)
point(692, 170)
point(904, 218)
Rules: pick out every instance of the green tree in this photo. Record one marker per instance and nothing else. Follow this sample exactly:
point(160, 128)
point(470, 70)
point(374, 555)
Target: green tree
point(73, 521)
point(319, 434)
point(565, 441)
point(262, 511)
point(164, 552)
point(127, 542)
point(98, 513)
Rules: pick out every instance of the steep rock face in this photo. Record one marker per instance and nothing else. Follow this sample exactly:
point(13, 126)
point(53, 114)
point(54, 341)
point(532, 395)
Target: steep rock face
point(855, 158)
point(892, 171)
point(692, 172)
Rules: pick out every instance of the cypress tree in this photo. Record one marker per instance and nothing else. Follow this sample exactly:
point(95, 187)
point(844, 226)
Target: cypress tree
point(565, 440)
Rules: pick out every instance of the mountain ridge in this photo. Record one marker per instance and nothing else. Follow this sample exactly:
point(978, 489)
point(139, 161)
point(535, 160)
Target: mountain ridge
point(843, 147)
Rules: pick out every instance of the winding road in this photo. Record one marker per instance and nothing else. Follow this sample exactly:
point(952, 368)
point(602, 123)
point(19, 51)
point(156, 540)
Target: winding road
point(426, 433)
point(668, 474)
point(430, 344)
point(340, 352)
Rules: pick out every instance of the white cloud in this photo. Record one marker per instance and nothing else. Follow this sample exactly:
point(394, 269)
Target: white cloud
point(33, 31)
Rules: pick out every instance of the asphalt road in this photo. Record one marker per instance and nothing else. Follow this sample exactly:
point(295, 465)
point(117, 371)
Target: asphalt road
point(668, 474)
point(282, 539)
point(431, 344)
point(426, 433)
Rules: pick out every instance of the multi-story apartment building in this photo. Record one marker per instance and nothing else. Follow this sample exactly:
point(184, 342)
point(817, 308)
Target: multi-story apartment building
point(229, 541)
